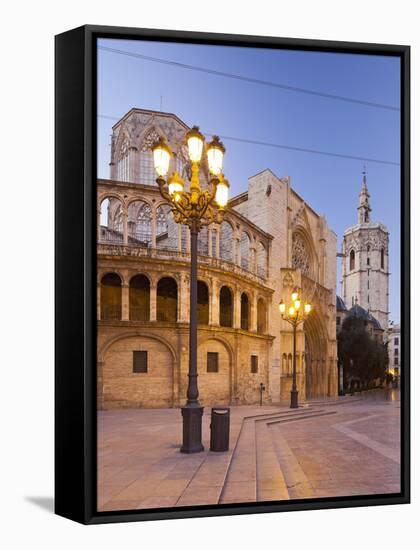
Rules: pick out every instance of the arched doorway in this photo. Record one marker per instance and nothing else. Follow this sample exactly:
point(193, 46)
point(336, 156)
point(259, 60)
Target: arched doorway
point(316, 357)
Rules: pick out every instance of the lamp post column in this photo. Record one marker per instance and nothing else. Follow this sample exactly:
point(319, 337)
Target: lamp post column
point(294, 392)
point(192, 412)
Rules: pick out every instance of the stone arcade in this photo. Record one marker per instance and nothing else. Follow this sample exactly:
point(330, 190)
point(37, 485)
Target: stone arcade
point(269, 242)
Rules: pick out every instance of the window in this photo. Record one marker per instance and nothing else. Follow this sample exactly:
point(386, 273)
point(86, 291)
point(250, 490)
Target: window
point(338, 321)
point(123, 168)
point(212, 361)
point(368, 261)
point(140, 361)
point(396, 352)
point(352, 255)
point(382, 258)
point(396, 341)
point(395, 360)
point(254, 364)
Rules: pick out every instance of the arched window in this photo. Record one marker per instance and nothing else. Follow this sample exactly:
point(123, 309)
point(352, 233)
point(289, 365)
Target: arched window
point(244, 312)
point(226, 307)
point(111, 220)
point(203, 241)
point(261, 316)
point(301, 256)
point(123, 166)
point(166, 229)
point(139, 298)
point(167, 300)
point(352, 259)
point(284, 364)
point(140, 223)
point(245, 244)
point(261, 260)
point(290, 364)
point(202, 303)
point(147, 169)
point(226, 241)
point(111, 297)
point(382, 258)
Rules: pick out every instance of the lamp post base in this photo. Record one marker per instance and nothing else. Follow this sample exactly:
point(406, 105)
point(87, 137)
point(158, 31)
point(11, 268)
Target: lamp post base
point(191, 429)
point(294, 399)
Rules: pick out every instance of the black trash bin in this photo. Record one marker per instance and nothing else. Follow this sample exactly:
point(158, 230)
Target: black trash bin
point(219, 429)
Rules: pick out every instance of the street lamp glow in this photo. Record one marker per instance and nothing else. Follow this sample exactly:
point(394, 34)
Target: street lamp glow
point(195, 141)
point(175, 184)
point(161, 157)
point(215, 153)
point(308, 308)
point(295, 295)
point(292, 311)
point(297, 304)
point(282, 307)
point(222, 193)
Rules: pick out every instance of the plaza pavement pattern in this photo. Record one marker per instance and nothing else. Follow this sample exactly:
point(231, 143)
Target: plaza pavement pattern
point(346, 446)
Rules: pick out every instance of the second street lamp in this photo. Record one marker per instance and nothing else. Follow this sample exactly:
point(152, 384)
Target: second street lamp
point(294, 314)
point(195, 208)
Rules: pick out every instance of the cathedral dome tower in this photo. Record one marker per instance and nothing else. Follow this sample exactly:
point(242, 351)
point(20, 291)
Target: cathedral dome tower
point(365, 262)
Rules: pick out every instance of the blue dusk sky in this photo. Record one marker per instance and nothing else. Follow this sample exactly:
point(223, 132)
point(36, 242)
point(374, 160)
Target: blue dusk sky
point(253, 111)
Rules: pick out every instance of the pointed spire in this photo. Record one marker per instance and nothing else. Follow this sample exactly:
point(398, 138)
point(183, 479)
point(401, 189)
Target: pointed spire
point(364, 206)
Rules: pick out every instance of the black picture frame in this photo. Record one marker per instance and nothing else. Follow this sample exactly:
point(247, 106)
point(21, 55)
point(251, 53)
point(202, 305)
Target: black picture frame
point(75, 266)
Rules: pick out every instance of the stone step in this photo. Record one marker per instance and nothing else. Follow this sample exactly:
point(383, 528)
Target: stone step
point(271, 484)
point(240, 483)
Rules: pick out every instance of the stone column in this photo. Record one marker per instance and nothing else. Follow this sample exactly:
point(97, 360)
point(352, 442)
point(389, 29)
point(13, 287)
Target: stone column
point(214, 304)
point(237, 308)
point(153, 299)
point(125, 314)
point(183, 299)
point(98, 301)
point(125, 224)
point(132, 164)
point(217, 252)
point(253, 306)
point(98, 223)
point(237, 250)
point(252, 259)
point(154, 228)
point(210, 240)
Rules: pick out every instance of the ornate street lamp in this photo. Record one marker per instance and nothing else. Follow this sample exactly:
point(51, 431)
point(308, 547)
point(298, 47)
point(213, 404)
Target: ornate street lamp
point(294, 315)
point(194, 207)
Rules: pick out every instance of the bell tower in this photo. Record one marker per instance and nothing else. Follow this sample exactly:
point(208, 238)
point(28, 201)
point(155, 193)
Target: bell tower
point(365, 262)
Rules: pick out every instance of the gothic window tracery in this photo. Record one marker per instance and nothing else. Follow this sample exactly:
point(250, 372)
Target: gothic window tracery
point(300, 254)
point(147, 169)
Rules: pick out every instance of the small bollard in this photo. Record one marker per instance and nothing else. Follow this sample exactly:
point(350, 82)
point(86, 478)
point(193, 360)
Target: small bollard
point(262, 389)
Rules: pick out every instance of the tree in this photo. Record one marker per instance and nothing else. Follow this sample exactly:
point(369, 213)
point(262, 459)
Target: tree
point(363, 358)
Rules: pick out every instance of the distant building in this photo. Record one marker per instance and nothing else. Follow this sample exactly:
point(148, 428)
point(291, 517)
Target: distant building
point(365, 263)
point(394, 350)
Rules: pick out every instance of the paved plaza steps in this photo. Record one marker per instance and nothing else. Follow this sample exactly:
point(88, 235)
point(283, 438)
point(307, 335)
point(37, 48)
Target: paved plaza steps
point(256, 468)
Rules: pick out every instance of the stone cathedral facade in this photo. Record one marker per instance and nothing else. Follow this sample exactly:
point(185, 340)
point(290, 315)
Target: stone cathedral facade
point(365, 263)
point(270, 241)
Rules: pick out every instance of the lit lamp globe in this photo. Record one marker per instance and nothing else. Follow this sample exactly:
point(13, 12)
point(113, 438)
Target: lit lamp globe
point(195, 142)
point(282, 307)
point(292, 311)
point(175, 185)
point(295, 295)
point(215, 154)
point(308, 308)
point(297, 304)
point(161, 157)
point(222, 193)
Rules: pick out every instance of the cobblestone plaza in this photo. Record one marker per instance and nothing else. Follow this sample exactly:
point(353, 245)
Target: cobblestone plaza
point(327, 448)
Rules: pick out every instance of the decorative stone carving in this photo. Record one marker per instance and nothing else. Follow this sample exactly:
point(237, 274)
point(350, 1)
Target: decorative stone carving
point(300, 254)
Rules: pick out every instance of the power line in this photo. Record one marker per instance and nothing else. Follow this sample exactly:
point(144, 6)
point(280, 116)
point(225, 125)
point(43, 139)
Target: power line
point(250, 79)
point(291, 147)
